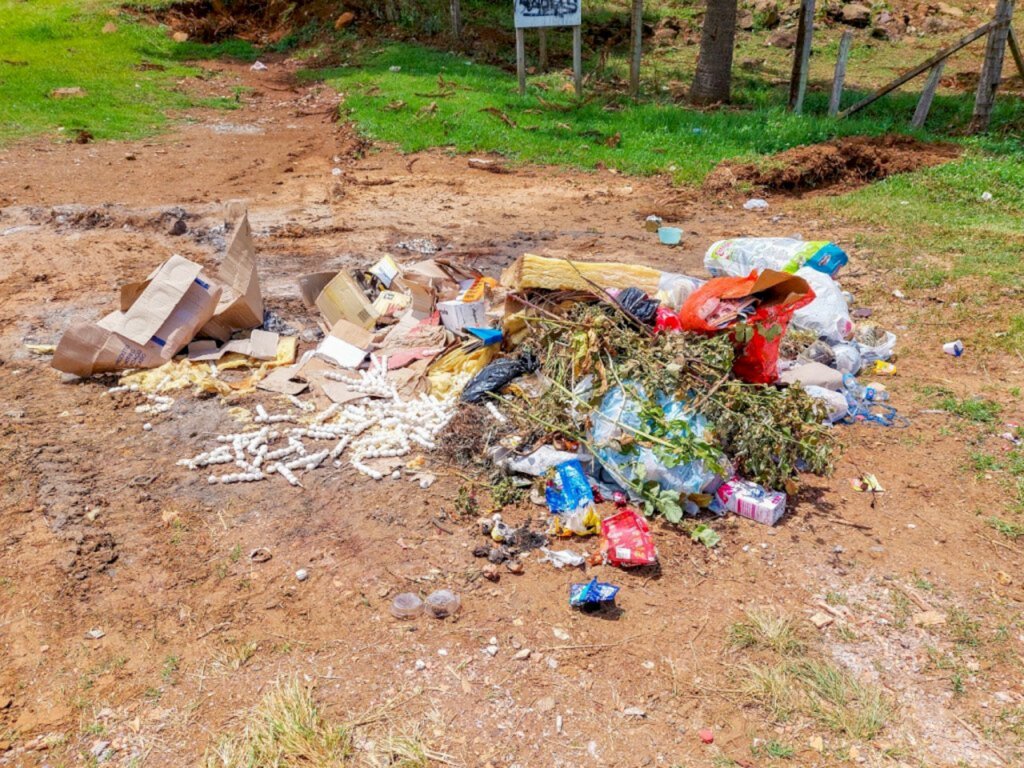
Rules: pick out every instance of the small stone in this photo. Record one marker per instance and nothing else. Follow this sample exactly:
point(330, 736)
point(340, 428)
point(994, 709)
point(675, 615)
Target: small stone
point(95, 634)
point(560, 633)
point(515, 566)
point(545, 705)
point(950, 10)
point(442, 651)
point(497, 555)
point(420, 665)
point(98, 748)
point(648, 665)
point(147, 427)
point(481, 551)
point(633, 712)
point(491, 650)
point(552, 662)
point(817, 744)
point(178, 227)
point(783, 38)
point(129, 156)
point(853, 753)
point(856, 15)
point(491, 572)
point(179, 37)
point(522, 655)
point(821, 620)
point(302, 574)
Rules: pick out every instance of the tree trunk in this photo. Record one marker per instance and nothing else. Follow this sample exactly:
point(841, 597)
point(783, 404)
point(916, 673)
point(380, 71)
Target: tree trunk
point(713, 79)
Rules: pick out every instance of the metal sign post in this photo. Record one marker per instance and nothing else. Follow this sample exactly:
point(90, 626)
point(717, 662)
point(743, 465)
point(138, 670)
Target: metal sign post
point(542, 15)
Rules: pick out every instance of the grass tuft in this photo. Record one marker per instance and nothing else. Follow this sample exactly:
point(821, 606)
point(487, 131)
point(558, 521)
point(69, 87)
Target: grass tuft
point(285, 730)
point(767, 629)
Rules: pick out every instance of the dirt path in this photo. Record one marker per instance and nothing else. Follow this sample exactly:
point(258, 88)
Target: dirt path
point(101, 531)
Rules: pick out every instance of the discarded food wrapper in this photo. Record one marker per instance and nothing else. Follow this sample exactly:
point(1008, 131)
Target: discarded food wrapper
point(867, 483)
point(593, 592)
point(571, 501)
point(158, 317)
point(954, 348)
point(561, 557)
point(882, 368)
point(750, 500)
point(627, 540)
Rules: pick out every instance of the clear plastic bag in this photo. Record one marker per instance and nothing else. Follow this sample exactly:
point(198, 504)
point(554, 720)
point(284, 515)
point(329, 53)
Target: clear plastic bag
point(616, 409)
point(737, 256)
point(828, 315)
point(674, 289)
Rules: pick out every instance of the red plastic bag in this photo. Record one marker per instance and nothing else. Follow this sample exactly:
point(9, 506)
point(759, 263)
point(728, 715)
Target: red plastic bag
point(626, 540)
point(757, 337)
point(666, 320)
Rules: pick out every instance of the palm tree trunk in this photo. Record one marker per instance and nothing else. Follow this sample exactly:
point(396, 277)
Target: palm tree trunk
point(713, 80)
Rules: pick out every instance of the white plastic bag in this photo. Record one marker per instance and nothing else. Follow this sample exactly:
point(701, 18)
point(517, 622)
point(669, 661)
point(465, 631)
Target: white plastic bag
point(674, 289)
point(828, 315)
point(881, 351)
point(834, 401)
point(847, 358)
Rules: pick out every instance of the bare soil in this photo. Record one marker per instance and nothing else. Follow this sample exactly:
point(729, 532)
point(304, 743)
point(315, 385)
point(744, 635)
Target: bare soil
point(99, 530)
point(835, 166)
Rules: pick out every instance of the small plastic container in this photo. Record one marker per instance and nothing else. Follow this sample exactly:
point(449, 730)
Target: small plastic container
point(442, 603)
point(670, 235)
point(406, 606)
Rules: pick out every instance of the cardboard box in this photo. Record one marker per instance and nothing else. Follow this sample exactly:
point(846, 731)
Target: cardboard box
point(750, 500)
point(346, 345)
point(457, 314)
point(159, 317)
point(241, 304)
point(343, 299)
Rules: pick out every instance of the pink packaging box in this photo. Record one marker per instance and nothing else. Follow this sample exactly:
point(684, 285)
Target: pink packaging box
point(748, 499)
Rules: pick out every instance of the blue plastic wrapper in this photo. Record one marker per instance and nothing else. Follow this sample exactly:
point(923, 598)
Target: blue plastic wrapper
point(594, 592)
point(571, 490)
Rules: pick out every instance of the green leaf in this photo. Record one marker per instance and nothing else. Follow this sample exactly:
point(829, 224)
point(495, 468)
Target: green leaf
point(670, 509)
point(705, 535)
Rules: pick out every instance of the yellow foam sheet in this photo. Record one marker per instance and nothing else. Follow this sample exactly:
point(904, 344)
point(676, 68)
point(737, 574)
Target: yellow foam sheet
point(450, 372)
point(182, 372)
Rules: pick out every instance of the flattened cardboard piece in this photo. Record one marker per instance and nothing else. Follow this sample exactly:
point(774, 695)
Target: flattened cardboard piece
point(346, 346)
point(342, 298)
point(773, 288)
point(421, 294)
point(167, 288)
point(456, 315)
point(339, 392)
point(172, 306)
point(312, 285)
point(261, 345)
point(412, 379)
point(241, 306)
point(282, 381)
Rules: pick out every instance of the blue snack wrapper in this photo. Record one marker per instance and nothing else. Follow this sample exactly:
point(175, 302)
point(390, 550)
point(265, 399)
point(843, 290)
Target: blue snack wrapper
point(594, 592)
point(571, 490)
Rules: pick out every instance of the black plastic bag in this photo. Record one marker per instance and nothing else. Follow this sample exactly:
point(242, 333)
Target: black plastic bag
point(496, 375)
point(638, 306)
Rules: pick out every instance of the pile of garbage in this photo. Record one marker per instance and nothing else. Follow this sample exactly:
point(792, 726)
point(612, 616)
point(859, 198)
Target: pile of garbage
point(672, 395)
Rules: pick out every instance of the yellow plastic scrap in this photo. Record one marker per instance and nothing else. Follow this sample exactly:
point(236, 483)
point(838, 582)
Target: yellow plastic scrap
point(450, 372)
point(41, 349)
point(182, 372)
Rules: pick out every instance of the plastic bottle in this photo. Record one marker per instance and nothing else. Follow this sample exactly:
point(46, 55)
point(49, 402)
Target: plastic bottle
point(406, 606)
point(872, 392)
point(442, 603)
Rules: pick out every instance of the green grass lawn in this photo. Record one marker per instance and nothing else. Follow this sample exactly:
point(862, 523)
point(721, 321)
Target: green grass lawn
point(127, 74)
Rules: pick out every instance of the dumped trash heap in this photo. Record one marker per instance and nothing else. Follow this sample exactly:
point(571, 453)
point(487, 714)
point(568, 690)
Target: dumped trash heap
point(673, 395)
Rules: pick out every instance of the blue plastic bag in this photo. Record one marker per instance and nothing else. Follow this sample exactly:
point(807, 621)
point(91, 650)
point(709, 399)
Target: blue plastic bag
point(571, 501)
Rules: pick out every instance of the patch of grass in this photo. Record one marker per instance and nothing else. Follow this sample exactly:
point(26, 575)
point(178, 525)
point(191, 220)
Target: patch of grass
point(773, 687)
point(504, 492)
point(126, 75)
point(977, 409)
point(1009, 528)
point(963, 628)
point(236, 656)
point(776, 750)
point(169, 671)
point(835, 598)
point(436, 99)
point(767, 629)
point(841, 702)
point(285, 729)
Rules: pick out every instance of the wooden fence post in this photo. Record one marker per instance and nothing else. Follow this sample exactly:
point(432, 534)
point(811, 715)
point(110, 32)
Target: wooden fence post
point(577, 59)
point(456, 19)
point(521, 59)
point(840, 74)
point(992, 69)
point(925, 102)
point(1018, 58)
point(637, 46)
point(801, 57)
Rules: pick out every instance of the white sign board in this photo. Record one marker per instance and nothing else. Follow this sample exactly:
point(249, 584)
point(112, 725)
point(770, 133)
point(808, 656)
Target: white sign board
point(548, 13)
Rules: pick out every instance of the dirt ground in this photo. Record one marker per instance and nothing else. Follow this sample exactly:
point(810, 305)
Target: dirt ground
point(101, 531)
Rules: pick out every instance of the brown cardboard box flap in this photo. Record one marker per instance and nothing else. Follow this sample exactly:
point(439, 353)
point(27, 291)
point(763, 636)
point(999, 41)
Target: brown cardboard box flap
point(241, 305)
point(157, 301)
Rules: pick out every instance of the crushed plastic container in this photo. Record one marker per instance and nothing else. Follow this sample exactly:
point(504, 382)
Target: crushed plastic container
point(406, 606)
point(442, 603)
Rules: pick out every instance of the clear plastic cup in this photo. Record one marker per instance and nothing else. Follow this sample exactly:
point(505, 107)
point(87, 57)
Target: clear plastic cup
point(442, 603)
point(406, 606)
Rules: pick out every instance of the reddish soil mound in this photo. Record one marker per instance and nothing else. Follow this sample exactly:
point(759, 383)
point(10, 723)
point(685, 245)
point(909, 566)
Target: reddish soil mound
point(843, 163)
